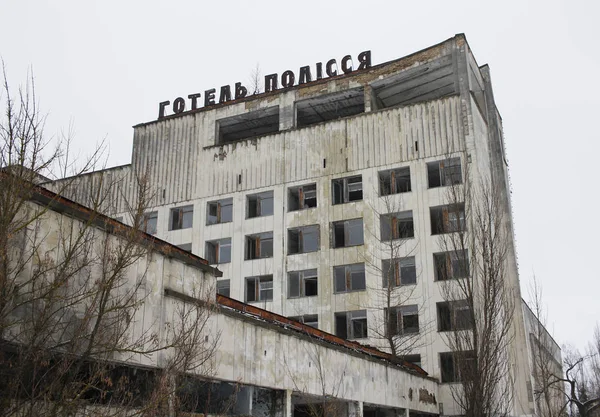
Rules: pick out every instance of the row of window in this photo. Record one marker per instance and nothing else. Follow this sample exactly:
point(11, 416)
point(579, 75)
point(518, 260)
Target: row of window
point(350, 278)
point(344, 190)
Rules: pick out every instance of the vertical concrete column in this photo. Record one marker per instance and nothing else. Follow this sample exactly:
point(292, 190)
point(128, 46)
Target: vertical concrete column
point(284, 406)
point(368, 93)
point(287, 110)
point(355, 409)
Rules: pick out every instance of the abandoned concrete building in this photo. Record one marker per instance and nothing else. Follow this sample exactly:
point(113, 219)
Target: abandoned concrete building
point(288, 193)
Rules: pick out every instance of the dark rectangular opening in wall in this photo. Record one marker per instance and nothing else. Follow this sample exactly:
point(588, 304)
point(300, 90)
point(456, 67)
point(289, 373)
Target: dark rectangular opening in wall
point(430, 81)
point(330, 107)
point(248, 125)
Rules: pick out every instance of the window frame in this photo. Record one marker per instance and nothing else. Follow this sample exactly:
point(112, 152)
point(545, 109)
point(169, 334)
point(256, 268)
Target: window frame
point(399, 264)
point(452, 360)
point(257, 240)
point(348, 281)
point(302, 232)
point(262, 283)
point(302, 277)
point(392, 226)
point(311, 320)
point(448, 259)
point(350, 317)
point(181, 212)
point(219, 204)
point(258, 199)
point(223, 242)
point(395, 185)
point(222, 284)
point(440, 216)
point(346, 231)
point(451, 324)
point(342, 187)
point(448, 172)
point(302, 196)
point(152, 215)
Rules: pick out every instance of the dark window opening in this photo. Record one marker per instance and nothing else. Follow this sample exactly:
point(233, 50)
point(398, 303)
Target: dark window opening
point(303, 197)
point(218, 251)
point(402, 320)
point(444, 173)
point(223, 287)
point(260, 205)
point(186, 247)
point(351, 324)
point(394, 181)
point(347, 233)
point(414, 359)
point(259, 288)
point(400, 271)
point(259, 246)
point(150, 222)
point(457, 366)
point(454, 315)
point(451, 265)
point(448, 219)
point(330, 107)
point(303, 239)
point(248, 125)
point(303, 283)
point(311, 320)
point(220, 211)
point(397, 226)
point(347, 189)
point(181, 218)
point(349, 278)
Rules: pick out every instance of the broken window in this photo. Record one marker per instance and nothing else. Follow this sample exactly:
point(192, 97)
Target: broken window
point(259, 246)
point(218, 251)
point(259, 288)
point(394, 181)
point(403, 320)
point(150, 222)
point(330, 107)
point(223, 287)
point(414, 359)
point(347, 233)
point(397, 226)
point(311, 320)
point(351, 324)
point(451, 265)
point(303, 239)
point(248, 125)
point(448, 219)
point(186, 247)
point(220, 211)
point(457, 366)
point(399, 271)
point(260, 205)
point(443, 173)
point(349, 278)
point(454, 315)
point(181, 217)
point(302, 197)
point(347, 189)
point(302, 283)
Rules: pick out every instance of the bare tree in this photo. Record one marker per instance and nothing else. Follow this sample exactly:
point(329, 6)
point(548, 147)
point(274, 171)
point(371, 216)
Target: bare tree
point(399, 322)
point(72, 287)
point(546, 361)
point(581, 379)
point(479, 304)
point(255, 80)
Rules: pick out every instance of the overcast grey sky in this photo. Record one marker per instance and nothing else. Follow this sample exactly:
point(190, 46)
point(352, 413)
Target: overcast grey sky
point(105, 65)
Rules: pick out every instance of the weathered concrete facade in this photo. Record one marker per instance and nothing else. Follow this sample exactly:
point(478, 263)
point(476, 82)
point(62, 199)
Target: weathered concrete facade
point(274, 365)
point(427, 107)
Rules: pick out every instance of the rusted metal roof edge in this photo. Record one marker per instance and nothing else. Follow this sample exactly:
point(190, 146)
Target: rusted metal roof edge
point(61, 204)
point(291, 325)
point(300, 86)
